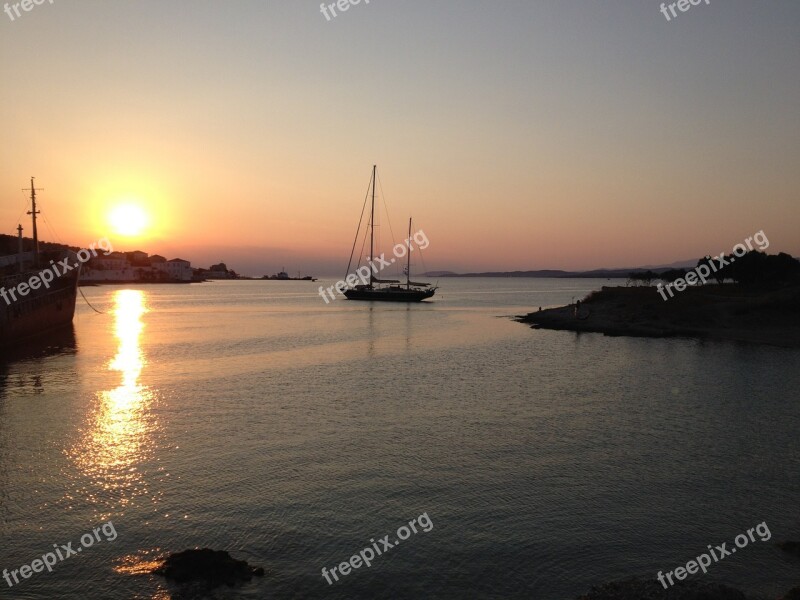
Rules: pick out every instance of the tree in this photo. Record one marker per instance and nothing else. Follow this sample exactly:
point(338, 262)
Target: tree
point(671, 275)
point(641, 277)
point(718, 273)
point(758, 268)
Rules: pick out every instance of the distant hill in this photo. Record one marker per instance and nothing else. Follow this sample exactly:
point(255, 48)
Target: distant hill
point(440, 274)
point(553, 273)
point(9, 245)
point(680, 264)
point(593, 274)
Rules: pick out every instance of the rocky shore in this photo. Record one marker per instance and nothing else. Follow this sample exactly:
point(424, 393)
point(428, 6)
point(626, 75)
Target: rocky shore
point(725, 312)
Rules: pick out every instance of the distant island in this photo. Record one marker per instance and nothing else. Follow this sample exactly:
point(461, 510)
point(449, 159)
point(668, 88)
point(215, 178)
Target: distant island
point(557, 273)
point(761, 304)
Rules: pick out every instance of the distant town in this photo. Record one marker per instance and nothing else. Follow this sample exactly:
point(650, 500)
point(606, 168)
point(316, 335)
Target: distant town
point(138, 266)
point(123, 267)
point(116, 267)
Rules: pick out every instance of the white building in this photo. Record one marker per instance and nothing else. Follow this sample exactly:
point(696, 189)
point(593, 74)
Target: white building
point(114, 267)
point(177, 269)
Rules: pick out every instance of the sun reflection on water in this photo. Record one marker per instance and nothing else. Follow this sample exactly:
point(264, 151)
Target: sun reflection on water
point(119, 438)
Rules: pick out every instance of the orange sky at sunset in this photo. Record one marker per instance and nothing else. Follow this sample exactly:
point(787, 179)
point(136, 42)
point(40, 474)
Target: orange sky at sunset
point(531, 136)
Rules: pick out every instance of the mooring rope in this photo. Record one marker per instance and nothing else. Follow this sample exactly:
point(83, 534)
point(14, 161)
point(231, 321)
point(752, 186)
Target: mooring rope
point(99, 312)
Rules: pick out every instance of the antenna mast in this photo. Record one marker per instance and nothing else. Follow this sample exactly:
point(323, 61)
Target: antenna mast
point(33, 212)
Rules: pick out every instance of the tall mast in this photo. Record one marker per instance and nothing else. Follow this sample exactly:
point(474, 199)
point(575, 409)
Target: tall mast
point(372, 227)
point(20, 264)
point(33, 212)
point(408, 266)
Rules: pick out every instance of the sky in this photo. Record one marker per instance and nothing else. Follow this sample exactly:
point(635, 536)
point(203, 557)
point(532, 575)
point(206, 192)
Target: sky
point(520, 134)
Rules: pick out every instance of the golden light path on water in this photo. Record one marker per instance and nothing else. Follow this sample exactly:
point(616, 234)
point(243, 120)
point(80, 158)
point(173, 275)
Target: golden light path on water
point(119, 436)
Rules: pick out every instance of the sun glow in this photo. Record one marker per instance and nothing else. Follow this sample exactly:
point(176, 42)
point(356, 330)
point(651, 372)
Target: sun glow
point(128, 219)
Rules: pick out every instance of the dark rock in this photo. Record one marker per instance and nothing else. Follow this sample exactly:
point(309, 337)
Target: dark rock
point(793, 594)
point(790, 547)
point(700, 311)
point(716, 592)
point(213, 567)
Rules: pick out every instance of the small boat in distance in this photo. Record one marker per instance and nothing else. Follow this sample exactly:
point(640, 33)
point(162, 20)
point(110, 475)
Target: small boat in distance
point(284, 276)
point(388, 290)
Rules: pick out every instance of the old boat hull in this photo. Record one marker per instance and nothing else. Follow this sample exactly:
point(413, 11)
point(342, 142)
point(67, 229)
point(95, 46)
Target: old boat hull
point(40, 312)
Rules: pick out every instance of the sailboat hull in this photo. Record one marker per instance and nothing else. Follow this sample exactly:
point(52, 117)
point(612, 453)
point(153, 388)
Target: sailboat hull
point(389, 295)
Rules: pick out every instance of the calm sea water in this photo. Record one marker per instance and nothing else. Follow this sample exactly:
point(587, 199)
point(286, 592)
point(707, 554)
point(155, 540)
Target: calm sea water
point(251, 417)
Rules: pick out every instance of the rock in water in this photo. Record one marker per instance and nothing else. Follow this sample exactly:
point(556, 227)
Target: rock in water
point(790, 547)
point(213, 567)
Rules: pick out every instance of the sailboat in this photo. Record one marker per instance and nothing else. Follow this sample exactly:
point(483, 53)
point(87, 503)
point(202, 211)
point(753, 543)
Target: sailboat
point(388, 290)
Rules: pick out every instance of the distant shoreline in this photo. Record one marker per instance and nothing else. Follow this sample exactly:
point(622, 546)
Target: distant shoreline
point(722, 312)
point(546, 274)
point(99, 283)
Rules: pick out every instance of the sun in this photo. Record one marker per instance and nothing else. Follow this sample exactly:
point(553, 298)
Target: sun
point(127, 219)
